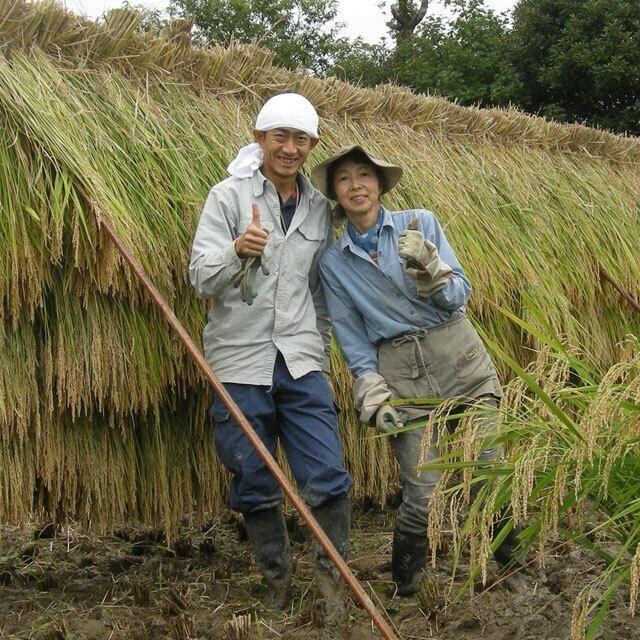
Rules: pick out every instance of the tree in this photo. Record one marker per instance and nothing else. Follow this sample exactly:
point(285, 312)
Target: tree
point(406, 15)
point(580, 60)
point(361, 63)
point(301, 33)
point(463, 59)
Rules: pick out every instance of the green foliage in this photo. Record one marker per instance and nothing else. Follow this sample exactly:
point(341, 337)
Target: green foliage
point(463, 60)
point(580, 60)
point(568, 60)
point(361, 63)
point(301, 33)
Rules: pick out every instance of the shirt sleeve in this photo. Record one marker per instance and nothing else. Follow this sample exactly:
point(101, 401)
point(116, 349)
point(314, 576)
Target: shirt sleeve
point(317, 293)
point(213, 257)
point(361, 354)
point(455, 293)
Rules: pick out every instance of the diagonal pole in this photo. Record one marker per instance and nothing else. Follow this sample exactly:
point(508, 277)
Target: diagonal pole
point(166, 311)
point(605, 275)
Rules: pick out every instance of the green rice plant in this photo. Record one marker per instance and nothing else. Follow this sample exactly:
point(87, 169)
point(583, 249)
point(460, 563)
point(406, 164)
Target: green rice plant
point(570, 435)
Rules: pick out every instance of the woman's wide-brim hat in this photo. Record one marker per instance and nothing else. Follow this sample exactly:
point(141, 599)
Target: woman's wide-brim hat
point(320, 173)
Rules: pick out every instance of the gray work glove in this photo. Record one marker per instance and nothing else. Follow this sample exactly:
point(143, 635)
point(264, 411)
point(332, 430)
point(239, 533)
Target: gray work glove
point(388, 420)
point(422, 261)
point(246, 278)
point(413, 249)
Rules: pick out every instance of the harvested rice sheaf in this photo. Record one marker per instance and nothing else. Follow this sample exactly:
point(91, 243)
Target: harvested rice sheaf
point(102, 417)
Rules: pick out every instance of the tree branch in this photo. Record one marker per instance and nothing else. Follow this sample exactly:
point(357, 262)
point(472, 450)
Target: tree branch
point(407, 18)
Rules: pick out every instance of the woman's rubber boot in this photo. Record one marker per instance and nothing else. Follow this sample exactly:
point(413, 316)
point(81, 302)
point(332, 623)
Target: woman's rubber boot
point(335, 519)
point(506, 554)
point(408, 557)
point(270, 541)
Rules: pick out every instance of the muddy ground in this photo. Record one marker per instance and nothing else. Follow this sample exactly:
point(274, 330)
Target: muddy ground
point(57, 583)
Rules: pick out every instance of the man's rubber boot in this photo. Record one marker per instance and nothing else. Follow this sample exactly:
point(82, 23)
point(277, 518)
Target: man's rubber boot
point(505, 555)
point(334, 517)
point(408, 557)
point(270, 541)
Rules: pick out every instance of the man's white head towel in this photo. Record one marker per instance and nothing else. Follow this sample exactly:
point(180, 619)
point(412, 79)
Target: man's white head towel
point(284, 111)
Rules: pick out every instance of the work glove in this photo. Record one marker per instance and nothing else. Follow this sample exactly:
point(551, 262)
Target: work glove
point(246, 278)
point(388, 419)
point(422, 261)
point(370, 391)
point(413, 249)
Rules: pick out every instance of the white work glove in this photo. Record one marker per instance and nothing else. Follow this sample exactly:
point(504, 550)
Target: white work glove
point(371, 398)
point(388, 420)
point(422, 261)
point(369, 392)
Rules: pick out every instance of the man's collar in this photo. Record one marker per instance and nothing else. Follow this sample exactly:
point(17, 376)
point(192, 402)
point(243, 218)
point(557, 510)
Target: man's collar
point(258, 180)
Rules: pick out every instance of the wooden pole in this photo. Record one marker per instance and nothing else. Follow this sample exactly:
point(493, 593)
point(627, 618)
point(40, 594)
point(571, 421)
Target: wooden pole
point(317, 531)
point(605, 275)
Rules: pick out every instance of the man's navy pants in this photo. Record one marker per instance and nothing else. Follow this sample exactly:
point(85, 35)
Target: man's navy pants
point(301, 415)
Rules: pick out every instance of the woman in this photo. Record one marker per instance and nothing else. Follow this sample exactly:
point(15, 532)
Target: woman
point(396, 296)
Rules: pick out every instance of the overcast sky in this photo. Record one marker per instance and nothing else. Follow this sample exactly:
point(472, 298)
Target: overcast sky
point(361, 17)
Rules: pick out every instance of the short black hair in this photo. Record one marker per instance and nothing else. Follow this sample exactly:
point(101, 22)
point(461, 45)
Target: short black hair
point(355, 156)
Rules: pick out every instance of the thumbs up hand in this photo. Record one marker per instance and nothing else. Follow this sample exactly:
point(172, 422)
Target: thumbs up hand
point(254, 239)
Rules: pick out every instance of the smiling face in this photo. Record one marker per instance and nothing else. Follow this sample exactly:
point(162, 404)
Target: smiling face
point(357, 188)
point(284, 152)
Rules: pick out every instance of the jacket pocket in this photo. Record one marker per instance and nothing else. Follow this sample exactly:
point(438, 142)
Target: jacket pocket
point(307, 241)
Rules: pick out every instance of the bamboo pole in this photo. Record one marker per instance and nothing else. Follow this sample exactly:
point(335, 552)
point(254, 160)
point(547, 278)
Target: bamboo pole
point(184, 337)
point(605, 275)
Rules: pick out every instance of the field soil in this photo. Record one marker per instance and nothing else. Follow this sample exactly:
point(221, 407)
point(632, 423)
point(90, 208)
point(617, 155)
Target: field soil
point(58, 583)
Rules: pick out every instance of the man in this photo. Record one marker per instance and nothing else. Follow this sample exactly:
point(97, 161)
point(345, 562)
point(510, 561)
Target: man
point(255, 255)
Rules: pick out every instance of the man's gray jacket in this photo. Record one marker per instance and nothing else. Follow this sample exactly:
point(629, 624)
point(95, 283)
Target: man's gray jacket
point(289, 315)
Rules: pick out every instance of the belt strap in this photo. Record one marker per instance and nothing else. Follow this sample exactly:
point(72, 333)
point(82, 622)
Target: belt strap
point(417, 359)
point(419, 333)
